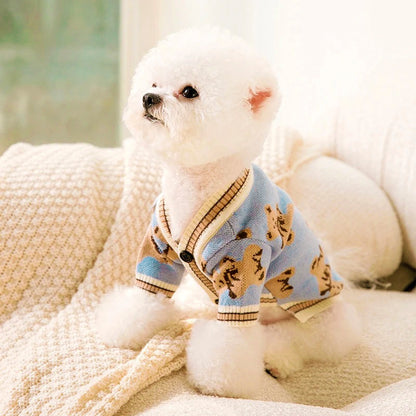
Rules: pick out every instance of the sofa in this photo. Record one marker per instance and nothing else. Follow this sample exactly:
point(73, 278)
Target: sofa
point(71, 219)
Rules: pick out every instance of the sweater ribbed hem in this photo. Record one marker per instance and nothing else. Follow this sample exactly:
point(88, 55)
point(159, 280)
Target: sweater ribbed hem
point(303, 311)
point(154, 285)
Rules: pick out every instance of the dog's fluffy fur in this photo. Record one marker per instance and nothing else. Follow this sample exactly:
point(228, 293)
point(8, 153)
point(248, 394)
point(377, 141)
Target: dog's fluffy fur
point(203, 144)
point(224, 354)
point(120, 316)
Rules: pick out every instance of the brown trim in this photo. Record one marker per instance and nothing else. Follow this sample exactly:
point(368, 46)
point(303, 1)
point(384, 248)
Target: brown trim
point(298, 307)
point(237, 316)
point(225, 199)
point(208, 218)
point(216, 210)
point(202, 277)
point(268, 300)
point(163, 216)
point(153, 288)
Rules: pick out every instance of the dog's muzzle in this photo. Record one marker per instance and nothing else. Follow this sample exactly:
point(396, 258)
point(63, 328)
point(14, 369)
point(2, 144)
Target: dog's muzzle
point(151, 100)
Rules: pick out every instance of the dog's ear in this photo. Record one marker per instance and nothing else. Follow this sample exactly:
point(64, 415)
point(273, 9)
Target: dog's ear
point(257, 99)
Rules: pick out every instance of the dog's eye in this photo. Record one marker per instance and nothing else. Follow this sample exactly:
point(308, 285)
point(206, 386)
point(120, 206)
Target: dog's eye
point(189, 92)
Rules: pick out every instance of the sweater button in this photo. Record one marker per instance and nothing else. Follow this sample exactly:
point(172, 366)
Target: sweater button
point(186, 256)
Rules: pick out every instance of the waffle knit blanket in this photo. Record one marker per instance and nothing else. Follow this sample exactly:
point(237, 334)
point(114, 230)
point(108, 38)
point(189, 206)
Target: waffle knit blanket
point(71, 217)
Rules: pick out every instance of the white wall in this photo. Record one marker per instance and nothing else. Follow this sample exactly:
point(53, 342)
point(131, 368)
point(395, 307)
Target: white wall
point(328, 46)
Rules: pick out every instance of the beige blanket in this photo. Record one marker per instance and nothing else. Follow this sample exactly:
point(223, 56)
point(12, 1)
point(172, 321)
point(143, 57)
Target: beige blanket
point(71, 219)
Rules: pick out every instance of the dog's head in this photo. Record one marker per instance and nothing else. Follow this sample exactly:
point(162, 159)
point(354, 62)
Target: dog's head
point(201, 95)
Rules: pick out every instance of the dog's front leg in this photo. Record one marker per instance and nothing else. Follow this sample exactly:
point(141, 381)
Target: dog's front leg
point(225, 360)
point(128, 317)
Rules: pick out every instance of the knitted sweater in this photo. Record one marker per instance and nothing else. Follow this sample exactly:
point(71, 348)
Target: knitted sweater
point(247, 245)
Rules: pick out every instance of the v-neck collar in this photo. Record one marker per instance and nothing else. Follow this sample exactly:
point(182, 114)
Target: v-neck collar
point(212, 215)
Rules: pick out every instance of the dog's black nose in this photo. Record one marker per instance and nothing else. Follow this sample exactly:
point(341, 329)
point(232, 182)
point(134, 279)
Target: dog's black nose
point(151, 99)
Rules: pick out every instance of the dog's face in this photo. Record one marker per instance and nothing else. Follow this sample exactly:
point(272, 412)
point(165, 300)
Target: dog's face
point(201, 95)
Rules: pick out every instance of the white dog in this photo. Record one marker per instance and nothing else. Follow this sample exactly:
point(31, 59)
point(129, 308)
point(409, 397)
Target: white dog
point(202, 101)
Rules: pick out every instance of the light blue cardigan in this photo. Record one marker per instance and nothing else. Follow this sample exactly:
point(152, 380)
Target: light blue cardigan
point(248, 244)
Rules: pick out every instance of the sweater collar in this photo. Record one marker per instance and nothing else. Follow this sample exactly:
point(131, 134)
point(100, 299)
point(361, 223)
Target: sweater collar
point(215, 211)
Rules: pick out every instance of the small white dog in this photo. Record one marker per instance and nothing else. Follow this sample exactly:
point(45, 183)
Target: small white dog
point(202, 101)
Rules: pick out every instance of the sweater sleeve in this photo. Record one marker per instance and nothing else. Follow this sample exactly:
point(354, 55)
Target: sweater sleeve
point(238, 277)
point(158, 270)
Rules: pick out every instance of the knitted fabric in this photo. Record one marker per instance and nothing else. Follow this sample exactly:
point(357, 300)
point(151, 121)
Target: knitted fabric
point(71, 220)
point(248, 244)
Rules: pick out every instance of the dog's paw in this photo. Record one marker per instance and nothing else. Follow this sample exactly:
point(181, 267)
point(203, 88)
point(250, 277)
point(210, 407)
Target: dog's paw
point(336, 331)
point(225, 360)
point(326, 337)
point(128, 317)
point(282, 357)
point(283, 363)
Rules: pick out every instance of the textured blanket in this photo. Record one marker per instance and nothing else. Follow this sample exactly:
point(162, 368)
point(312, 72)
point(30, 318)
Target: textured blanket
point(71, 217)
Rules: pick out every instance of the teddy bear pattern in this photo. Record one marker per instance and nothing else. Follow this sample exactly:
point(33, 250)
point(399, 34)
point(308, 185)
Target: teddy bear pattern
point(279, 224)
point(162, 252)
point(237, 276)
point(322, 272)
point(279, 285)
